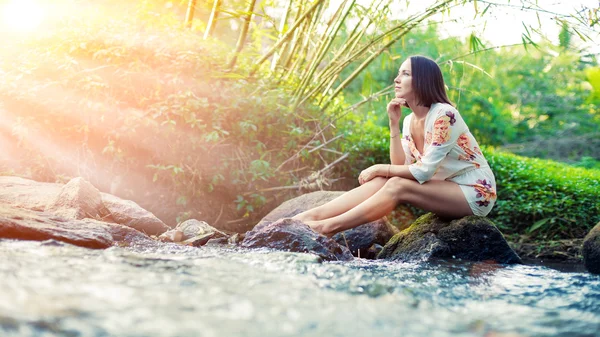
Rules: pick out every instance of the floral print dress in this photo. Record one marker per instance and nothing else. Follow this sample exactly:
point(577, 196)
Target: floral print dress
point(450, 152)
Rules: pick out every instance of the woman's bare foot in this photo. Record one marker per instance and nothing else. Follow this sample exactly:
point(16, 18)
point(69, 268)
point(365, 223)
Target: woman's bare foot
point(304, 217)
point(319, 227)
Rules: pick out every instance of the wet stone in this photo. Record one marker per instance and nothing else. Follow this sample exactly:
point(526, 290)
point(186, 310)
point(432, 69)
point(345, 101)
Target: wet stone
point(295, 236)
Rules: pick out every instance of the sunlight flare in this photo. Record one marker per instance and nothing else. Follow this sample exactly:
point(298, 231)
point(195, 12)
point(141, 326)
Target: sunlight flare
point(22, 15)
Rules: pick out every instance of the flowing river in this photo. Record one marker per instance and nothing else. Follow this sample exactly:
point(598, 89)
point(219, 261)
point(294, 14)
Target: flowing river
point(56, 289)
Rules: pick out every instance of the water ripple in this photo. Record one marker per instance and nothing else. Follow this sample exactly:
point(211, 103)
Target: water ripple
point(55, 289)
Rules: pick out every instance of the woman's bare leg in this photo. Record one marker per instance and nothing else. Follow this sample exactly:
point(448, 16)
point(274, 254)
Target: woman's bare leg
point(344, 202)
point(444, 198)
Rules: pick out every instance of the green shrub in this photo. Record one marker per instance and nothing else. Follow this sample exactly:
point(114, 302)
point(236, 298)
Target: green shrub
point(365, 140)
point(150, 113)
point(543, 198)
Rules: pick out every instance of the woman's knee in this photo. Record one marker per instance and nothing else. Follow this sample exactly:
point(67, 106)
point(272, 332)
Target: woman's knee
point(398, 188)
point(379, 180)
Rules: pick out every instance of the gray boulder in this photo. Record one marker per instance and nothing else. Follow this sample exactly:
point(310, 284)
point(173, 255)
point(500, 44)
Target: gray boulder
point(362, 240)
point(23, 224)
point(130, 214)
point(28, 194)
point(295, 236)
point(77, 199)
point(471, 238)
point(591, 250)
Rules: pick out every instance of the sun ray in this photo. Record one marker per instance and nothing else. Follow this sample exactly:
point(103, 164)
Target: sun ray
point(22, 15)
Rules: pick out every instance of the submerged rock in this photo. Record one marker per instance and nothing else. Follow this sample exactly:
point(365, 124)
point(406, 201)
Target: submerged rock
point(471, 238)
point(591, 250)
point(360, 240)
point(295, 236)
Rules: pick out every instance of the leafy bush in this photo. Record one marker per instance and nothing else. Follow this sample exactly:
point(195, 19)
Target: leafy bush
point(544, 198)
point(365, 141)
point(149, 112)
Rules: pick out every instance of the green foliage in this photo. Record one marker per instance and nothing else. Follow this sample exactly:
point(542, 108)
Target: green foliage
point(593, 78)
point(506, 95)
point(564, 37)
point(150, 111)
point(365, 141)
point(152, 114)
point(543, 198)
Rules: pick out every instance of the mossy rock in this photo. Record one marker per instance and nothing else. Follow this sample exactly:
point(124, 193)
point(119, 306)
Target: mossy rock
point(591, 250)
point(472, 238)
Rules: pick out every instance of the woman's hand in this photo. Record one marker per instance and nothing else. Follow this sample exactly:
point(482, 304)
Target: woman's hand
point(394, 109)
point(372, 172)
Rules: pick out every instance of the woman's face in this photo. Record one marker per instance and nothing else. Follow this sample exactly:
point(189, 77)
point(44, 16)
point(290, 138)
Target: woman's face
point(403, 82)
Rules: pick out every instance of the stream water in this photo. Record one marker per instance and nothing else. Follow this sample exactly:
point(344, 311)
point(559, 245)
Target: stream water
point(55, 289)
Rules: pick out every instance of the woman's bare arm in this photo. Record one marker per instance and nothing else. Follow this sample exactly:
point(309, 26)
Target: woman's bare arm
point(397, 156)
point(394, 110)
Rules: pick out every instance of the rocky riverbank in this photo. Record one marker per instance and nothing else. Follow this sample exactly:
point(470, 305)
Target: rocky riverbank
point(79, 214)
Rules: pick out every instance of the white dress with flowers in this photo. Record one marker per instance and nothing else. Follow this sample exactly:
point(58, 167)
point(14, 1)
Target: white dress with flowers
point(450, 152)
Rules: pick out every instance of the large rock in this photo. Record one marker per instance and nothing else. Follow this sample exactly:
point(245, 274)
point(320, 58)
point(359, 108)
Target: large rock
point(77, 199)
point(130, 214)
point(591, 250)
point(471, 238)
point(360, 240)
point(28, 194)
point(295, 236)
point(23, 224)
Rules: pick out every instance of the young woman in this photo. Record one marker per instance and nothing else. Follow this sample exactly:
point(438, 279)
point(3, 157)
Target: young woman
point(436, 165)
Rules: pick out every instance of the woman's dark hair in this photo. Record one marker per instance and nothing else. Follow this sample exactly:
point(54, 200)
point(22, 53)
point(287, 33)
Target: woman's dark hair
point(427, 81)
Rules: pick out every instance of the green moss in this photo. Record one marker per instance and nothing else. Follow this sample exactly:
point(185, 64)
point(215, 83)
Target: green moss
point(416, 229)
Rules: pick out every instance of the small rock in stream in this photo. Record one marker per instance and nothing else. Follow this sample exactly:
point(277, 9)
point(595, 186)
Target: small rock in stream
point(295, 236)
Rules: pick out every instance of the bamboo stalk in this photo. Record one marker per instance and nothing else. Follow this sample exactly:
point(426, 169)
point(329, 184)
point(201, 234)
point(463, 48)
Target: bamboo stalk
point(243, 34)
point(322, 51)
point(324, 149)
point(212, 20)
point(285, 37)
point(330, 73)
point(285, 61)
point(305, 37)
point(325, 143)
point(415, 21)
point(282, 24)
point(189, 15)
point(305, 41)
point(307, 45)
point(322, 42)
